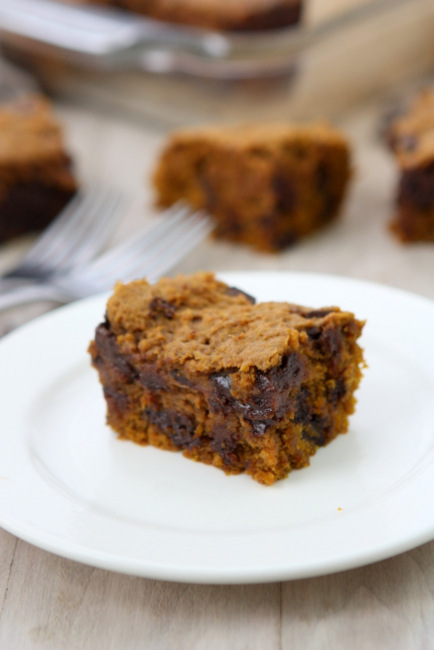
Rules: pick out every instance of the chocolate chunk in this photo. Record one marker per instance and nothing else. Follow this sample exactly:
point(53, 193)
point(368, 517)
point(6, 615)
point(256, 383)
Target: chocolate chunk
point(269, 396)
point(259, 427)
point(116, 398)
point(328, 340)
point(302, 409)
point(177, 426)
point(317, 429)
point(417, 186)
point(285, 192)
point(108, 350)
point(181, 379)
point(225, 444)
point(160, 306)
point(290, 373)
point(338, 391)
point(318, 313)
point(150, 377)
point(234, 291)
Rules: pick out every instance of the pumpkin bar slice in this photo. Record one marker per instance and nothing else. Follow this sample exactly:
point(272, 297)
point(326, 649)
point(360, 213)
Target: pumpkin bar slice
point(411, 137)
point(192, 364)
point(266, 185)
point(225, 15)
point(36, 178)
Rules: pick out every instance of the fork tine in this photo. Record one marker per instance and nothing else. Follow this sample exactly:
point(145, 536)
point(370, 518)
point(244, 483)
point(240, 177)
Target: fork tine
point(58, 247)
point(147, 238)
point(102, 274)
point(101, 229)
point(146, 250)
point(142, 253)
point(178, 251)
point(42, 246)
point(171, 248)
point(64, 244)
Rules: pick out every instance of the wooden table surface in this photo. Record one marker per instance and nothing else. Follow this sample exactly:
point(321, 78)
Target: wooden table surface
point(50, 602)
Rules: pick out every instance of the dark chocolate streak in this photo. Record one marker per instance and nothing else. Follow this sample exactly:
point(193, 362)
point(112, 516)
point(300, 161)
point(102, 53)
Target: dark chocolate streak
point(118, 399)
point(107, 348)
point(317, 313)
point(323, 182)
point(224, 442)
point(417, 186)
point(316, 429)
point(285, 193)
point(30, 207)
point(269, 401)
point(327, 340)
point(177, 426)
point(234, 291)
point(272, 18)
point(160, 306)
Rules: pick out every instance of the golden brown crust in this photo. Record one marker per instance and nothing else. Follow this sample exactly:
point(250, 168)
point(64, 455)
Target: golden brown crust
point(208, 329)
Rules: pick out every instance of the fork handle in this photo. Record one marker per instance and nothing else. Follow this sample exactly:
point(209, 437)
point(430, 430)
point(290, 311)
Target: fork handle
point(13, 282)
point(34, 293)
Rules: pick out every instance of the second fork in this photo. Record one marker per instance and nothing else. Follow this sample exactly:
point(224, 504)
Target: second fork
point(80, 231)
point(149, 253)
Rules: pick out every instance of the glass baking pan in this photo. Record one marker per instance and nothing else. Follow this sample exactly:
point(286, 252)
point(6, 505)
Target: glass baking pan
point(342, 52)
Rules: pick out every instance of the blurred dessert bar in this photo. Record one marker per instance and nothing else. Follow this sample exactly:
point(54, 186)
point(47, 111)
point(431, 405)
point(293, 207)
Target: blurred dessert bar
point(36, 180)
point(191, 364)
point(222, 15)
point(266, 185)
point(411, 138)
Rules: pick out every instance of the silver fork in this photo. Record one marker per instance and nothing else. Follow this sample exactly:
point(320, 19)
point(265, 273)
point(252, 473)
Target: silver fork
point(74, 237)
point(149, 253)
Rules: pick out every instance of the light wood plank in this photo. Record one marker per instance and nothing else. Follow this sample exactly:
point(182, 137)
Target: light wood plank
point(8, 544)
point(387, 606)
point(58, 604)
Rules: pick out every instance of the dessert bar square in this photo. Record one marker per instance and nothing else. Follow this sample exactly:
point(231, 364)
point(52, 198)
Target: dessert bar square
point(224, 15)
point(265, 185)
point(411, 137)
point(192, 364)
point(36, 179)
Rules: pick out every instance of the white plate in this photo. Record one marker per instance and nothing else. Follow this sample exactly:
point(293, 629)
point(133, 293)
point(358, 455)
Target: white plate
point(68, 485)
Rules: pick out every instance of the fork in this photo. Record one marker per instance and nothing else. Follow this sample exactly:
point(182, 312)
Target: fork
point(74, 237)
point(149, 253)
